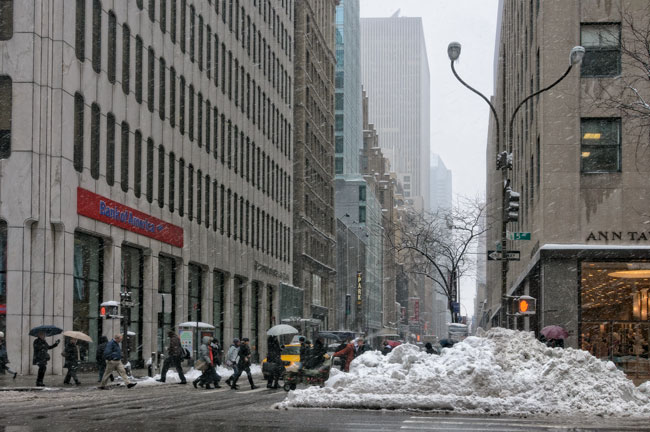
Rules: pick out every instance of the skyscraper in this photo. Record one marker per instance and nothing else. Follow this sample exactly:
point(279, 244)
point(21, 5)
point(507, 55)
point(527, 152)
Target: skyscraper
point(395, 73)
point(440, 185)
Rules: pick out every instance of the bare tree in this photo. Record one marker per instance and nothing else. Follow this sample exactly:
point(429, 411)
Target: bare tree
point(440, 245)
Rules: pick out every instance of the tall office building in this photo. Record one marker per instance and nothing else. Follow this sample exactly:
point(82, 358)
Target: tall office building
point(440, 185)
point(146, 148)
point(348, 126)
point(395, 74)
point(314, 239)
point(582, 177)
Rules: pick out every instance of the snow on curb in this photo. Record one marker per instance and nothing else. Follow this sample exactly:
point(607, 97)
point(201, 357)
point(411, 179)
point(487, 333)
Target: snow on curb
point(504, 371)
point(191, 375)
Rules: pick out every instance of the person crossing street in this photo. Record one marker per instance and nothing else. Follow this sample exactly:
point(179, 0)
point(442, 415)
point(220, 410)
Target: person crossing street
point(243, 365)
point(174, 357)
point(113, 356)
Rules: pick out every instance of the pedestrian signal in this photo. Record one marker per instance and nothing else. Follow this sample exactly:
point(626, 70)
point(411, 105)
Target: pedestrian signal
point(109, 310)
point(525, 305)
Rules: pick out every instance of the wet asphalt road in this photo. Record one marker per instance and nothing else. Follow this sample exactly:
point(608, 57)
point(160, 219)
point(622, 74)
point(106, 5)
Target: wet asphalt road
point(173, 407)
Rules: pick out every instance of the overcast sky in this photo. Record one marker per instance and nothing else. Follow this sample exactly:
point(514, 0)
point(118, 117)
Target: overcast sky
point(459, 118)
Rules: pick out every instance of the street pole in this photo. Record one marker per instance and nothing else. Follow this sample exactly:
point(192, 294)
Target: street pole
point(504, 159)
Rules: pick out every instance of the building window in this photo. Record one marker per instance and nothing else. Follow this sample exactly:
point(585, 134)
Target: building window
point(195, 285)
point(201, 43)
point(199, 119)
point(80, 26)
point(362, 214)
point(126, 58)
point(199, 196)
point(222, 192)
point(214, 205)
point(338, 165)
point(137, 164)
point(3, 275)
point(97, 35)
point(190, 123)
point(181, 187)
point(228, 213)
point(163, 16)
point(192, 32)
point(149, 170)
point(181, 106)
point(161, 176)
point(172, 97)
point(150, 78)
point(152, 10)
point(167, 292)
point(183, 34)
point(362, 193)
point(124, 157)
point(172, 183)
point(112, 47)
point(133, 282)
point(88, 285)
point(95, 118)
point(161, 87)
point(238, 308)
point(218, 297)
point(603, 50)
point(190, 192)
point(172, 24)
point(78, 158)
point(208, 110)
point(138, 69)
point(601, 145)
point(208, 52)
point(207, 201)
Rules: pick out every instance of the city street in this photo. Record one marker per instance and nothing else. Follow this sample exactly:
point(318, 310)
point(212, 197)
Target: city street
point(172, 407)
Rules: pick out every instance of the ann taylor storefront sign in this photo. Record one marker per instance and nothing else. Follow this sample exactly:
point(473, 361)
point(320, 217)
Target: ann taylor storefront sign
point(626, 236)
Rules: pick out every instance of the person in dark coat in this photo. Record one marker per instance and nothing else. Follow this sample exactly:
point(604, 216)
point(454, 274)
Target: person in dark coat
point(113, 356)
point(100, 361)
point(429, 348)
point(387, 348)
point(4, 358)
point(72, 361)
point(360, 347)
point(41, 356)
point(209, 375)
point(317, 354)
point(304, 350)
point(274, 357)
point(174, 357)
point(243, 365)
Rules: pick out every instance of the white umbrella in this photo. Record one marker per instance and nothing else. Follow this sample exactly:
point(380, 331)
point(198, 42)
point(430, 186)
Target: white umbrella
point(77, 335)
point(196, 324)
point(282, 329)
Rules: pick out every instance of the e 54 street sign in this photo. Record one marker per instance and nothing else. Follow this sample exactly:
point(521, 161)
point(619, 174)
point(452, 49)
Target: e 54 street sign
point(518, 235)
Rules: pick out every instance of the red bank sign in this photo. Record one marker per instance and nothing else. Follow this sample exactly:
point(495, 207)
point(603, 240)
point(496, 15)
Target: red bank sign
point(97, 207)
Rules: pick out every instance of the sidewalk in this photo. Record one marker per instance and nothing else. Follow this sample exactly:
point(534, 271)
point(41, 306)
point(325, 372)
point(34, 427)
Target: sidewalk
point(28, 382)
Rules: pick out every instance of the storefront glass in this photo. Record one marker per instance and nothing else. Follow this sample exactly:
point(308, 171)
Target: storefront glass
point(614, 314)
point(217, 305)
point(88, 289)
point(255, 318)
point(167, 291)
point(195, 289)
point(238, 308)
point(132, 262)
point(3, 277)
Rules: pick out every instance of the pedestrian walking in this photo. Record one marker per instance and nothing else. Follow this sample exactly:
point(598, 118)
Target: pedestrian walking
point(100, 361)
point(316, 355)
point(41, 356)
point(113, 356)
point(347, 353)
point(4, 357)
point(232, 357)
point(209, 374)
point(243, 365)
point(72, 361)
point(174, 358)
point(274, 360)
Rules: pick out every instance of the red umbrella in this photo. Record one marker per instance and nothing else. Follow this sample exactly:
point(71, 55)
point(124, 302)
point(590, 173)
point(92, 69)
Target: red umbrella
point(554, 332)
point(393, 343)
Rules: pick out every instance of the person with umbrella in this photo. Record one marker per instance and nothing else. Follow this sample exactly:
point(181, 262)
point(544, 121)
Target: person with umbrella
point(41, 355)
point(274, 360)
point(72, 361)
point(4, 358)
point(553, 336)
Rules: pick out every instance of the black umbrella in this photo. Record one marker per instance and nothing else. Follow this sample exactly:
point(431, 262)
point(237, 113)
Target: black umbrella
point(49, 330)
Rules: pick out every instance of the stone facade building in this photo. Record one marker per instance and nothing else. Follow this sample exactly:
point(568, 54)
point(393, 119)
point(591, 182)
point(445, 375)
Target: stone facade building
point(581, 166)
point(314, 268)
point(146, 149)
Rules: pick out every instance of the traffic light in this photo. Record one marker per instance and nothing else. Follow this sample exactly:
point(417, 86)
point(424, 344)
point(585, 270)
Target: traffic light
point(511, 211)
point(109, 310)
point(525, 305)
point(504, 160)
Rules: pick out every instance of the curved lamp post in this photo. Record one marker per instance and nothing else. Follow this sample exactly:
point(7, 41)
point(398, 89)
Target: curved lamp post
point(504, 159)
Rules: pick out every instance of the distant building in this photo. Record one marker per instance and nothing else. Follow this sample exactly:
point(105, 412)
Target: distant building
point(395, 73)
point(440, 185)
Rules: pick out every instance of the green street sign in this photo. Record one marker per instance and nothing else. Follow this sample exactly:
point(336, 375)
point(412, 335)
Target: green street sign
point(518, 236)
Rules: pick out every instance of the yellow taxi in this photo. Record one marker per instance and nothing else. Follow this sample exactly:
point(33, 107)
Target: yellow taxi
point(290, 355)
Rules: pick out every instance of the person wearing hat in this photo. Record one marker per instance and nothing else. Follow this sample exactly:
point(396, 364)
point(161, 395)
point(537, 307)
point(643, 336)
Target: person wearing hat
point(174, 357)
point(4, 358)
point(243, 365)
point(231, 359)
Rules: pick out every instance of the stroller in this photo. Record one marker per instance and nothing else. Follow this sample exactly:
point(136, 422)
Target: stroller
point(317, 376)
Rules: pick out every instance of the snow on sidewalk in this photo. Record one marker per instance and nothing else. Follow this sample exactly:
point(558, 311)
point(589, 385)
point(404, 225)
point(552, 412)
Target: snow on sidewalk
point(192, 374)
point(504, 371)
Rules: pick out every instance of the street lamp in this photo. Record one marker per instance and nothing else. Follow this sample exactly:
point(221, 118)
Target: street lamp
point(504, 159)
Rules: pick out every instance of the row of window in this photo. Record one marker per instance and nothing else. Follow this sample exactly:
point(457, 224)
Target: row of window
point(234, 81)
point(206, 201)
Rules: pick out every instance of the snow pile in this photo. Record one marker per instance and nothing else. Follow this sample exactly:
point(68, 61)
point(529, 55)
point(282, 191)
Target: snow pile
point(505, 371)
